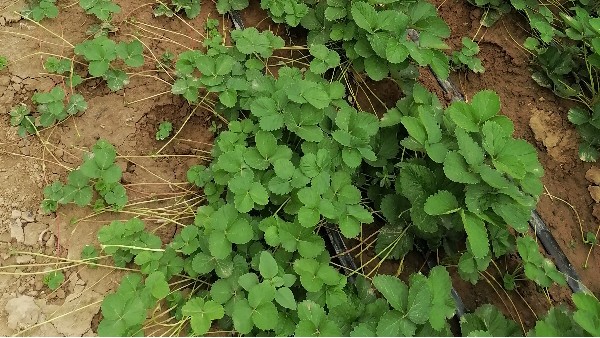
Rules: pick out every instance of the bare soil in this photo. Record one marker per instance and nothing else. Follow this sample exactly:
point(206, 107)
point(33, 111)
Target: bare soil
point(130, 117)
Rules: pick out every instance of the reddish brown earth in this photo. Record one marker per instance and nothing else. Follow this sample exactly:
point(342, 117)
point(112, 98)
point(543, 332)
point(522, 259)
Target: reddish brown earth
point(129, 119)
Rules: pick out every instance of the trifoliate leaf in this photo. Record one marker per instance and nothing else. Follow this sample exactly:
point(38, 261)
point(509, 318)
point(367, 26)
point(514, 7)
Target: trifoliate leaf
point(202, 314)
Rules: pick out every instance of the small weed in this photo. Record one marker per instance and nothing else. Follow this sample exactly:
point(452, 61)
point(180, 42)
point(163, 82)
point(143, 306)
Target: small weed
point(164, 130)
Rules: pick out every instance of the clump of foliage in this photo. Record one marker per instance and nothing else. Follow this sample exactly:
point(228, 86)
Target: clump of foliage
point(191, 8)
point(588, 126)
point(99, 173)
point(53, 106)
point(54, 279)
point(41, 9)
point(374, 37)
point(467, 56)
point(102, 9)
point(164, 130)
point(102, 51)
point(494, 10)
point(3, 62)
point(225, 6)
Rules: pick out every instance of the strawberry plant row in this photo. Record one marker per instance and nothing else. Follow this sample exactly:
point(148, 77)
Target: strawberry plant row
point(536, 223)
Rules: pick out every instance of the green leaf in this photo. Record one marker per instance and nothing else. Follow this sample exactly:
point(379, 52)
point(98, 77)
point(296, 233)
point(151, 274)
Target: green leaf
point(463, 115)
point(443, 305)
point(394, 324)
point(457, 170)
point(486, 104)
point(419, 299)
point(156, 282)
point(364, 16)
point(242, 317)
point(131, 53)
point(268, 265)
point(265, 316)
point(76, 104)
point(376, 68)
point(115, 79)
point(285, 298)
point(394, 291)
point(588, 313)
point(441, 203)
point(54, 279)
point(164, 130)
point(468, 148)
point(202, 313)
point(476, 234)
point(415, 129)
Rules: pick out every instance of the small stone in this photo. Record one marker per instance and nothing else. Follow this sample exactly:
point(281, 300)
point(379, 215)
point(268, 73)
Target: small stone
point(23, 312)
point(32, 293)
point(78, 289)
point(28, 216)
point(38, 285)
point(51, 241)
point(15, 214)
point(60, 294)
point(32, 232)
point(16, 79)
point(16, 231)
point(596, 211)
point(24, 259)
point(595, 192)
point(593, 175)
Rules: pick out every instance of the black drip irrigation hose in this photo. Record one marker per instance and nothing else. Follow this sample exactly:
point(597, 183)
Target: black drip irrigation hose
point(335, 238)
point(536, 222)
point(549, 243)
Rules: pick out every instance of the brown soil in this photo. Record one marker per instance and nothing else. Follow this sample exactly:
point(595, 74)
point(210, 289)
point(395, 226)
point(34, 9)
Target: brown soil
point(130, 117)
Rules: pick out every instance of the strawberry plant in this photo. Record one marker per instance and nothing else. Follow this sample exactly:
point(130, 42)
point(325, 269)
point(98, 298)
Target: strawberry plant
point(98, 172)
point(20, 116)
point(566, 46)
point(467, 56)
point(588, 127)
point(53, 106)
point(102, 51)
point(374, 38)
point(164, 130)
point(225, 6)
point(41, 9)
point(102, 9)
point(3, 62)
point(53, 280)
point(538, 268)
point(190, 7)
point(63, 66)
point(285, 11)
